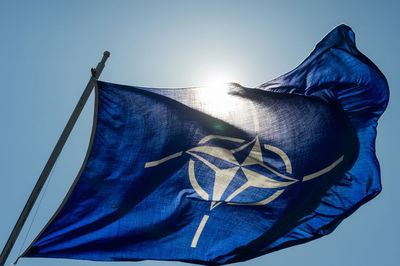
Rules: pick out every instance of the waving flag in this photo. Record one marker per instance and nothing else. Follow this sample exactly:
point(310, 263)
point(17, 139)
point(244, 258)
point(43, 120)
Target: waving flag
point(224, 174)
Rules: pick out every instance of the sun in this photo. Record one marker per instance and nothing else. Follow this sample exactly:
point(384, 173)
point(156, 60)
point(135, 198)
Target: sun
point(215, 98)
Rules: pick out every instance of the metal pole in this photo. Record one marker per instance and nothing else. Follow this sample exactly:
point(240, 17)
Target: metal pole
point(53, 158)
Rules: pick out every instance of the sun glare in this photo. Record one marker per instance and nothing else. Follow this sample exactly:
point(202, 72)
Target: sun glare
point(215, 98)
point(217, 81)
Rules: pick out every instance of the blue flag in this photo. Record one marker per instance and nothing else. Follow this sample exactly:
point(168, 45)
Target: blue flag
point(216, 175)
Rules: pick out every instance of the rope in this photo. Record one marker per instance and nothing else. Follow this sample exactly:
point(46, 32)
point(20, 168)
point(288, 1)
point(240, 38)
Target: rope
point(38, 206)
point(94, 75)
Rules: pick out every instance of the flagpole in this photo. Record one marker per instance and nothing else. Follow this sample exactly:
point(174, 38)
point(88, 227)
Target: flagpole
point(53, 158)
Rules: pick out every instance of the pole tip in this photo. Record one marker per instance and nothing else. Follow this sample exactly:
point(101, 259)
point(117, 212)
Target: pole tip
point(107, 53)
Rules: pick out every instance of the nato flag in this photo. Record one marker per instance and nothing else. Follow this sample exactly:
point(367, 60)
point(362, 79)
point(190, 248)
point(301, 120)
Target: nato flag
point(216, 175)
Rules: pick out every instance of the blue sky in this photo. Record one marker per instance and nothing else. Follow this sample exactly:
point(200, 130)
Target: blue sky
point(48, 48)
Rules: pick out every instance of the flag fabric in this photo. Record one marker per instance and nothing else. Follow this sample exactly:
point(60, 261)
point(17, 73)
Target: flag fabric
point(216, 175)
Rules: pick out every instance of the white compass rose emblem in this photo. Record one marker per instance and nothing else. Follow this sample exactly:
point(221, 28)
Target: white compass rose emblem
point(223, 177)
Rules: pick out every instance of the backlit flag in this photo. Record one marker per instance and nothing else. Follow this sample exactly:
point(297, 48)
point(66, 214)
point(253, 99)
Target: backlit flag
point(224, 174)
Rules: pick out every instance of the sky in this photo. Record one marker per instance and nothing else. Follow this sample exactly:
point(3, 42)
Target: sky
point(47, 50)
